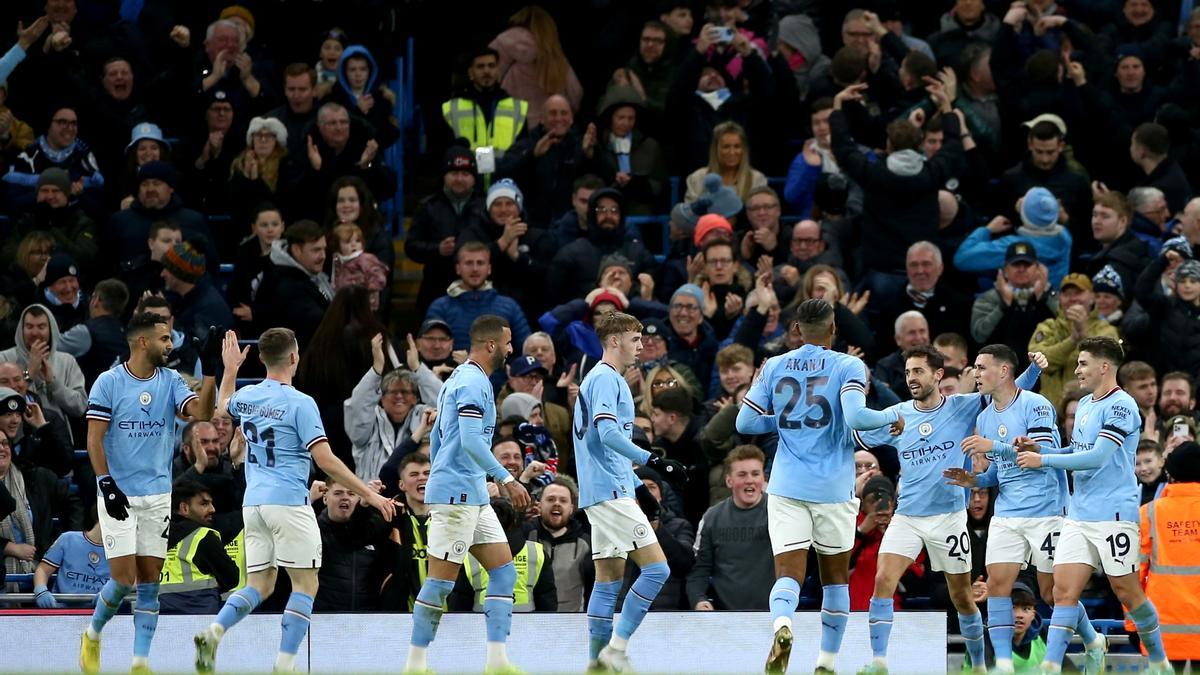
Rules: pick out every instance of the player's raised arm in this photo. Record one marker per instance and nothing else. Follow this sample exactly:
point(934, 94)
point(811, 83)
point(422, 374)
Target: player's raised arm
point(854, 405)
point(210, 356)
point(233, 357)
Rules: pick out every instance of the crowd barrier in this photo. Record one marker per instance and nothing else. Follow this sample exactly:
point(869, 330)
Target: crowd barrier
point(676, 642)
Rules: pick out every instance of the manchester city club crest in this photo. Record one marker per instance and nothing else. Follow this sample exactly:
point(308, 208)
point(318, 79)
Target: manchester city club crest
point(13, 404)
point(145, 398)
point(459, 547)
point(1003, 431)
point(639, 531)
point(925, 429)
point(93, 557)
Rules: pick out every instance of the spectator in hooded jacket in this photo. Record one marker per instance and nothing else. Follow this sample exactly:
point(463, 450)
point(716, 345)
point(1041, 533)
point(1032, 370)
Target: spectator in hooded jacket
point(294, 292)
point(624, 157)
point(54, 375)
point(440, 222)
point(358, 75)
point(576, 266)
point(473, 295)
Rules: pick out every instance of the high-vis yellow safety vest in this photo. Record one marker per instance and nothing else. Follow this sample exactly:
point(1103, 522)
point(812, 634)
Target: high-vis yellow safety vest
point(236, 550)
point(528, 562)
point(466, 120)
point(179, 574)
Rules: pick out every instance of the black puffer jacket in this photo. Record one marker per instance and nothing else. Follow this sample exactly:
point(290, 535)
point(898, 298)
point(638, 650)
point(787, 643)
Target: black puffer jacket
point(1176, 322)
point(576, 266)
point(1128, 255)
point(354, 561)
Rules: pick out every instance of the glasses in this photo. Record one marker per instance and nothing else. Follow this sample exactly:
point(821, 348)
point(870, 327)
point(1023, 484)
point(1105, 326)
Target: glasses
point(663, 384)
point(719, 262)
point(762, 207)
point(608, 209)
point(401, 392)
point(685, 309)
point(806, 241)
point(65, 122)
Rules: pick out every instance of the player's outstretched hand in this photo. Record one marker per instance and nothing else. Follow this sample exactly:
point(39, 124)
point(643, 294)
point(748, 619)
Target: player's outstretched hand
point(675, 472)
point(382, 504)
point(960, 477)
point(976, 445)
point(897, 427)
point(517, 494)
point(1039, 359)
point(231, 354)
point(115, 501)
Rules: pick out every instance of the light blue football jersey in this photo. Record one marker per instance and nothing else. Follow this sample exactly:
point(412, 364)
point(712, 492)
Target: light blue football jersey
point(281, 425)
point(930, 444)
point(814, 460)
point(1024, 493)
point(1110, 492)
point(81, 565)
point(466, 419)
point(604, 473)
point(141, 415)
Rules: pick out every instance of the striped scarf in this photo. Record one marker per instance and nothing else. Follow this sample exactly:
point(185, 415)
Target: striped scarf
point(19, 521)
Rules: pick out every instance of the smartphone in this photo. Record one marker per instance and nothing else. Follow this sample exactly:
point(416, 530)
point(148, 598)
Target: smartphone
point(724, 34)
point(1180, 430)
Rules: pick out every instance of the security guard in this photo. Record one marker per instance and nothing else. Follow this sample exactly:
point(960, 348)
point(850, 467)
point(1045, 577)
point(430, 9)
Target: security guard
point(1171, 554)
point(197, 569)
point(533, 592)
point(481, 111)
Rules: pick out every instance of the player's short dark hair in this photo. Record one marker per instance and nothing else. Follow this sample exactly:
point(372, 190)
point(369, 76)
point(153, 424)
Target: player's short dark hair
point(142, 322)
point(478, 52)
point(1104, 348)
point(275, 344)
point(814, 317)
point(1135, 371)
point(932, 356)
point(303, 232)
point(186, 490)
point(743, 452)
point(113, 295)
point(1154, 138)
point(1002, 353)
point(617, 323)
point(487, 327)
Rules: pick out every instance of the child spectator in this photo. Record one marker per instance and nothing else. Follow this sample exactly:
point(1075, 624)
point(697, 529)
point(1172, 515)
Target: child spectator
point(352, 266)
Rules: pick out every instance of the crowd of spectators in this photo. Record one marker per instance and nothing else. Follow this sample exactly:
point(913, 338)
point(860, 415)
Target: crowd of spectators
point(955, 173)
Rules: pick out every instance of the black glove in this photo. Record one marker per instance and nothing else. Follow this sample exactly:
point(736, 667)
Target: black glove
point(647, 502)
point(209, 349)
point(674, 472)
point(115, 501)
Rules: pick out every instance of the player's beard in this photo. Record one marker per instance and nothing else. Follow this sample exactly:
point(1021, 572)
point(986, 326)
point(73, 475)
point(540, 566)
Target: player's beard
point(160, 359)
point(923, 392)
point(498, 360)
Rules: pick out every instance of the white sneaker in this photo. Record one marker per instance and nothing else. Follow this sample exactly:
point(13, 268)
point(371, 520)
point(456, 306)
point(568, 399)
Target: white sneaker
point(206, 650)
point(615, 660)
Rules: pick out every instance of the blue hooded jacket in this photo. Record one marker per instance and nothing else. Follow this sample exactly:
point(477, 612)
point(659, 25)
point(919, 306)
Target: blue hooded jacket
point(980, 253)
point(350, 52)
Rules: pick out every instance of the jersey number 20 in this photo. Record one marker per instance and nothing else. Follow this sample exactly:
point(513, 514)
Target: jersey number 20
point(254, 438)
point(811, 399)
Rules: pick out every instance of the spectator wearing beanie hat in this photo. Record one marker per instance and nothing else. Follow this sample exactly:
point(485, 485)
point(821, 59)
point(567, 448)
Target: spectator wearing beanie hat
point(1174, 335)
point(155, 200)
point(692, 340)
point(55, 214)
point(1058, 338)
point(520, 252)
point(196, 302)
point(716, 200)
point(1110, 295)
point(576, 266)
point(580, 344)
point(263, 172)
point(983, 250)
point(61, 292)
point(440, 222)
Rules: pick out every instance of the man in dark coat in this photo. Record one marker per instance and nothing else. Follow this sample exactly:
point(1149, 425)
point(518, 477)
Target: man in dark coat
point(295, 292)
point(576, 266)
point(155, 200)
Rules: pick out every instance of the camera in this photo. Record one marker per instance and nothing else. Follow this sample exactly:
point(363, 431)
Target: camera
point(724, 34)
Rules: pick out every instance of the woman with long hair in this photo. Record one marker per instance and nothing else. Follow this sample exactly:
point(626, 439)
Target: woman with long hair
point(729, 158)
point(336, 357)
point(350, 201)
point(823, 281)
point(28, 269)
point(532, 63)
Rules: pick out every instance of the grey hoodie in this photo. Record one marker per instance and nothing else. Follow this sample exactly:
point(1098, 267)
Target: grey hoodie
point(281, 258)
point(66, 395)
